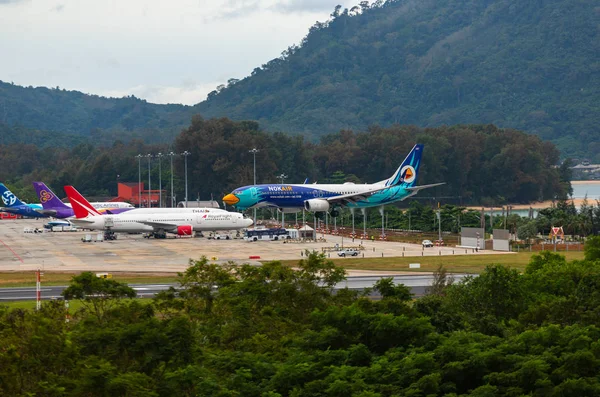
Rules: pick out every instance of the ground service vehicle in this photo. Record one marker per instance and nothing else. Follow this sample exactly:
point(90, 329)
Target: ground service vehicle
point(266, 234)
point(347, 252)
point(427, 243)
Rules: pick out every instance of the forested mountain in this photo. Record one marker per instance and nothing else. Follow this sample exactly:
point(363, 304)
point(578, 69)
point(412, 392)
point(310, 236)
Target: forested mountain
point(467, 158)
point(529, 65)
point(54, 110)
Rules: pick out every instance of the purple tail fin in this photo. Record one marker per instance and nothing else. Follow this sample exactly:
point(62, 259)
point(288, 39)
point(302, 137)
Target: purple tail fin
point(47, 197)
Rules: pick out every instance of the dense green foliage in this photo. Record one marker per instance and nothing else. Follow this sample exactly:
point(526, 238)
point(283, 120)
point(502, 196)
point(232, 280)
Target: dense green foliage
point(272, 331)
point(467, 158)
point(530, 65)
point(44, 112)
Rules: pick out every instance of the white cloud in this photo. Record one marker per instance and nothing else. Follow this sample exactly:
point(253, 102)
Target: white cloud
point(12, 1)
point(306, 5)
point(189, 93)
point(148, 46)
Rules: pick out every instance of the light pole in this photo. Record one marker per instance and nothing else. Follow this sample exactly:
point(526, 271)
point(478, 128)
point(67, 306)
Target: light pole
point(282, 177)
point(139, 157)
point(254, 151)
point(171, 154)
point(186, 154)
point(149, 156)
point(159, 155)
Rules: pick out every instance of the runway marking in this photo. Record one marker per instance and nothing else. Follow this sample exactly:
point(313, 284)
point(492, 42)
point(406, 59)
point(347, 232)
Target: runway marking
point(11, 250)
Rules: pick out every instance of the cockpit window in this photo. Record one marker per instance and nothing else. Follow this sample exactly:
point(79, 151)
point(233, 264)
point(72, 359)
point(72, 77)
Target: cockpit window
point(237, 191)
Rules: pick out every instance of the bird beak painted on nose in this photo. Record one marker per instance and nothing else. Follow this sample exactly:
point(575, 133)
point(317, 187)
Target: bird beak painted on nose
point(231, 199)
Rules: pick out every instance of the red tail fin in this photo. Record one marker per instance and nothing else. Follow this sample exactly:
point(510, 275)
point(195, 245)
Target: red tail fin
point(81, 206)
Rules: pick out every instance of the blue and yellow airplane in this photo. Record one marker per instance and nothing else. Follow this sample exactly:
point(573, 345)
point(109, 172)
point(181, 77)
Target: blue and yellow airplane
point(329, 197)
point(13, 205)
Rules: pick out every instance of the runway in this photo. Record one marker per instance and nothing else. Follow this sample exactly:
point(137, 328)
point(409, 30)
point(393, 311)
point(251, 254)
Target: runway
point(416, 283)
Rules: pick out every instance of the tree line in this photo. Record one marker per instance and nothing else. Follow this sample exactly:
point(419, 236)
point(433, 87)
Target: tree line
point(481, 164)
point(274, 331)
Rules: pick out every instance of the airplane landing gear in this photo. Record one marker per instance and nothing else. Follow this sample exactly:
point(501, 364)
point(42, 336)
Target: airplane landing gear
point(109, 235)
point(334, 213)
point(159, 234)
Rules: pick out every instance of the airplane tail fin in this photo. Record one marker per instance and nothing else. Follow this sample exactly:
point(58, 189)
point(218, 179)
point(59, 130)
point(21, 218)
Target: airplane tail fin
point(8, 198)
point(408, 171)
point(81, 207)
point(47, 197)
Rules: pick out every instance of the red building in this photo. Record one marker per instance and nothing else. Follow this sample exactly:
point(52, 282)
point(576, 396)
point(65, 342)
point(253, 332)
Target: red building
point(130, 192)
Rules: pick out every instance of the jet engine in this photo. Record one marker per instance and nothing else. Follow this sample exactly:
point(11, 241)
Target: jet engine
point(316, 205)
point(184, 230)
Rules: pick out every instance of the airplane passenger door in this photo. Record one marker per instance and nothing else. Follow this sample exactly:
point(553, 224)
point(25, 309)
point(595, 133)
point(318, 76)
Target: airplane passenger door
point(109, 221)
point(198, 219)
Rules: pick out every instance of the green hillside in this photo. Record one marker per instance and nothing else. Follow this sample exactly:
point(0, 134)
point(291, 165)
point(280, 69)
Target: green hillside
point(23, 109)
point(531, 65)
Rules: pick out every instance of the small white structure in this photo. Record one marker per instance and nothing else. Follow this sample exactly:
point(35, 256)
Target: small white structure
point(306, 232)
point(293, 233)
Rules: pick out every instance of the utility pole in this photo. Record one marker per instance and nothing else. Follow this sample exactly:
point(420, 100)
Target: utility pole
point(171, 154)
point(282, 177)
point(149, 156)
point(160, 155)
point(139, 157)
point(439, 216)
point(186, 154)
point(254, 151)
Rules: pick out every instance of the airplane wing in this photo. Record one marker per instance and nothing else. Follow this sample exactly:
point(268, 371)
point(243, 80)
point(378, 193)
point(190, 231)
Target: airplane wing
point(415, 189)
point(81, 221)
point(11, 210)
point(350, 198)
point(46, 212)
point(160, 225)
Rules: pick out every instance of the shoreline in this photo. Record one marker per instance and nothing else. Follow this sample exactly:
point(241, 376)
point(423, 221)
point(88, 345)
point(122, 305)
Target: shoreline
point(590, 182)
point(536, 206)
point(544, 204)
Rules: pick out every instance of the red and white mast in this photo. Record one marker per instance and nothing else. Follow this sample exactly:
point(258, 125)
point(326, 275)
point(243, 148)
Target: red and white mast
point(38, 290)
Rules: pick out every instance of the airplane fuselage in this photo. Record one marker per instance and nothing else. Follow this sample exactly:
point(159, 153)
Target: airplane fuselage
point(295, 196)
point(26, 210)
point(168, 222)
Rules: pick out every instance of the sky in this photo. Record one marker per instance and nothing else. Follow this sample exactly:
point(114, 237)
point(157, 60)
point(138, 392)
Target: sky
point(173, 51)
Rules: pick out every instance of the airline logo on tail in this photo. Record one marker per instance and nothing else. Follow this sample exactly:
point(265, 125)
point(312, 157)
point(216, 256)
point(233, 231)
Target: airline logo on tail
point(8, 198)
point(81, 206)
point(408, 174)
point(45, 196)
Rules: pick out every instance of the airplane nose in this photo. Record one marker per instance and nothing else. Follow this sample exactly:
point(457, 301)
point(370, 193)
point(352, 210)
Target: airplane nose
point(248, 222)
point(231, 199)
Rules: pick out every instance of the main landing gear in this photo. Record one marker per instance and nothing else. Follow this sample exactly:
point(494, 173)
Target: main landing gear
point(160, 234)
point(109, 235)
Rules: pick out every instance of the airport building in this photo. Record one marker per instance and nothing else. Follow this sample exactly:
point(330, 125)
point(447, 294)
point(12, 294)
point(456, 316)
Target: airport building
point(130, 192)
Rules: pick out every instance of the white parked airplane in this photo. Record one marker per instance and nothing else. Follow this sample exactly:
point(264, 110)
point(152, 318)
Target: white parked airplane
point(181, 221)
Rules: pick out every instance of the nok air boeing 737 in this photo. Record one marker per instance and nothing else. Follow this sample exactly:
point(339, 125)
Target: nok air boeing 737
point(328, 197)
